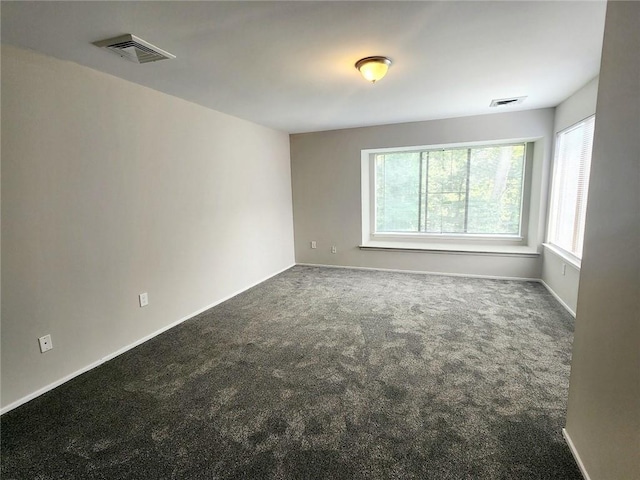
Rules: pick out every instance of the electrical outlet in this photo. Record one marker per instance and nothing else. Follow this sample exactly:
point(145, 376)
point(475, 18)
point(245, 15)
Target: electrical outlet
point(564, 269)
point(45, 343)
point(144, 299)
point(313, 244)
point(334, 249)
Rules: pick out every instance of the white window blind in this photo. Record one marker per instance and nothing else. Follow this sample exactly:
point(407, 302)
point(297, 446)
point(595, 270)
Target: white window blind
point(570, 185)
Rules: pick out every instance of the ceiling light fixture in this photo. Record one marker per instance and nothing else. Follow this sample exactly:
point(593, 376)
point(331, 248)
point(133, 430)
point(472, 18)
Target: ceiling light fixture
point(373, 68)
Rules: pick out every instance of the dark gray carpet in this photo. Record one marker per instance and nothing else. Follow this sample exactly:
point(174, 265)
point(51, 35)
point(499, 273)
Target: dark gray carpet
point(321, 373)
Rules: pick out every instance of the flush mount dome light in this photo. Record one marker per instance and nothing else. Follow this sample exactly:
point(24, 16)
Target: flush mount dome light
point(373, 68)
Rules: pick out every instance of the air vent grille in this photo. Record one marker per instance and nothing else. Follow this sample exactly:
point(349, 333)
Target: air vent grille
point(501, 102)
point(134, 49)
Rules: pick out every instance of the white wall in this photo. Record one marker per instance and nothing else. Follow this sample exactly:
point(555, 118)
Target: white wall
point(327, 191)
point(603, 415)
point(564, 281)
point(110, 189)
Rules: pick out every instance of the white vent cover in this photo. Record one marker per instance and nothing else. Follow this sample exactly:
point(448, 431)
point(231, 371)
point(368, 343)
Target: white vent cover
point(133, 48)
point(501, 102)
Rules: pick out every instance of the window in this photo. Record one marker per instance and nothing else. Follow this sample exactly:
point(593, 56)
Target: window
point(571, 168)
point(461, 191)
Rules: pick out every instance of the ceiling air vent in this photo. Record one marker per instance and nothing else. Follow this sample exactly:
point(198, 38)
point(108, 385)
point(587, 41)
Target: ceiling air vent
point(501, 102)
point(133, 48)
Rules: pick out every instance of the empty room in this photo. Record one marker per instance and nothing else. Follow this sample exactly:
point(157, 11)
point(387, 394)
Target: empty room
point(320, 240)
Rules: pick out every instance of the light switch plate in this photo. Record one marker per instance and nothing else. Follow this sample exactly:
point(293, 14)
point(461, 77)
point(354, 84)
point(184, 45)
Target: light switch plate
point(144, 299)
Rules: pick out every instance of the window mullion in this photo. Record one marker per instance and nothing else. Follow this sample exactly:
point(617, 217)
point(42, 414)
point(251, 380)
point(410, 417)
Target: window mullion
point(420, 193)
point(426, 193)
point(466, 193)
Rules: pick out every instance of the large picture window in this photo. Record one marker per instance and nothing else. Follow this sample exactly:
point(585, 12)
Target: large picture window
point(572, 164)
point(463, 191)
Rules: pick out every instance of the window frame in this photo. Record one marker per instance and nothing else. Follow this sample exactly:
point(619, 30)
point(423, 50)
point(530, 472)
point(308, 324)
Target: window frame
point(489, 243)
point(569, 256)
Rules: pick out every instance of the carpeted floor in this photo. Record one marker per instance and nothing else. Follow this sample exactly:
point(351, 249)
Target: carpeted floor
point(321, 373)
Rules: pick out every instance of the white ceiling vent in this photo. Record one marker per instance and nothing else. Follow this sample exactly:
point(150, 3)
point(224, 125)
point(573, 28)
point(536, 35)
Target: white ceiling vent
point(135, 49)
point(501, 102)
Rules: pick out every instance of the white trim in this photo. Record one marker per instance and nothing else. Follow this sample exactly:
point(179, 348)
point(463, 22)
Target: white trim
point(575, 454)
point(557, 297)
point(440, 146)
point(442, 274)
point(51, 386)
point(367, 194)
point(449, 236)
point(451, 250)
point(465, 241)
point(565, 256)
point(110, 356)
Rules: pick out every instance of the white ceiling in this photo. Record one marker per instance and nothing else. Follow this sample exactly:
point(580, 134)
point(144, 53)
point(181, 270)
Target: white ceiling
point(289, 65)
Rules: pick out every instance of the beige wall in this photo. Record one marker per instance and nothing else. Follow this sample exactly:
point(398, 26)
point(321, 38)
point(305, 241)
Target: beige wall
point(327, 191)
point(603, 417)
point(110, 189)
point(563, 277)
point(580, 105)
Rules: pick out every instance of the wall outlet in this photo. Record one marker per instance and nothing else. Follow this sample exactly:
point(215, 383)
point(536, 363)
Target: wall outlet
point(334, 249)
point(313, 244)
point(564, 269)
point(45, 343)
point(144, 299)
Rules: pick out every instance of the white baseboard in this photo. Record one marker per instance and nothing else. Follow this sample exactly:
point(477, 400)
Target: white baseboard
point(93, 365)
point(557, 297)
point(575, 454)
point(467, 275)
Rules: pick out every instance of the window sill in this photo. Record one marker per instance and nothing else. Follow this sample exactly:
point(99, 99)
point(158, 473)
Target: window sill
point(446, 238)
point(454, 249)
point(570, 259)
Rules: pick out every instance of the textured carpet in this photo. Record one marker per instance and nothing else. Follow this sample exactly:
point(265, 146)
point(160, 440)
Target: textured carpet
point(321, 373)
